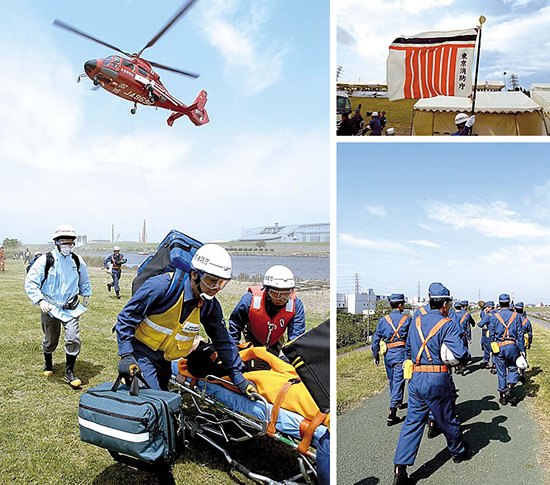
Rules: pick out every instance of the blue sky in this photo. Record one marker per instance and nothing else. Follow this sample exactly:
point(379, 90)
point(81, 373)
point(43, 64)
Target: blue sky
point(75, 155)
point(515, 37)
point(474, 216)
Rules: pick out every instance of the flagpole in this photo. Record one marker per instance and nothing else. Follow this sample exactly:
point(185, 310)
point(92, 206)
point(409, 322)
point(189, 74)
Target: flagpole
point(481, 22)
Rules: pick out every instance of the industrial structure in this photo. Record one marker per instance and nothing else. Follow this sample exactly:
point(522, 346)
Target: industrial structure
point(282, 233)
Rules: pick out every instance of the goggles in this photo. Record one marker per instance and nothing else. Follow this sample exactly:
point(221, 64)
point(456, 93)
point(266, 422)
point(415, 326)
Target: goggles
point(279, 294)
point(66, 244)
point(213, 282)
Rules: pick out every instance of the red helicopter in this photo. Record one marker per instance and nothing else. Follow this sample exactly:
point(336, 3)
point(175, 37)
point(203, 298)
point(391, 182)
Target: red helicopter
point(133, 78)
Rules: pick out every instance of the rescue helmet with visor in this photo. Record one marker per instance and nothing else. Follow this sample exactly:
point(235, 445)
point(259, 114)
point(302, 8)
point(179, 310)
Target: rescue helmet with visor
point(213, 265)
point(279, 283)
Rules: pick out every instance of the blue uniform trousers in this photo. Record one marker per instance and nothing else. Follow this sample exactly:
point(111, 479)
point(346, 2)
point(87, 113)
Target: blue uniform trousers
point(393, 360)
point(323, 460)
point(155, 368)
point(429, 392)
point(505, 361)
point(485, 346)
point(115, 274)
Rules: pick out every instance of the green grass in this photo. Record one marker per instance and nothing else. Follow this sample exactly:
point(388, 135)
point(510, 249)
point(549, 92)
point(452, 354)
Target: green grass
point(398, 113)
point(358, 379)
point(39, 440)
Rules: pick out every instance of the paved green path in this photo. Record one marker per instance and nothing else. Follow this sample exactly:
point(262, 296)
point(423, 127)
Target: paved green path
point(504, 439)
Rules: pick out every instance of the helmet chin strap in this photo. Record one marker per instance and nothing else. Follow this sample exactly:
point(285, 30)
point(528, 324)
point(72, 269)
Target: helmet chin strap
point(202, 295)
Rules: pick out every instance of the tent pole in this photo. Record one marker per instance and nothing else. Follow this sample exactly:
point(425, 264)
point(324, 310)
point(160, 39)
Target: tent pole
point(481, 22)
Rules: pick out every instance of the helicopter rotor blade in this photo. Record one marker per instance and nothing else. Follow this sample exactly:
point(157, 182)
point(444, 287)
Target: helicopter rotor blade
point(171, 22)
point(63, 25)
point(172, 69)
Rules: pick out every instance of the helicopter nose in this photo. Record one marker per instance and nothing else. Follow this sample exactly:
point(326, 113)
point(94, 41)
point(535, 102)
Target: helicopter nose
point(89, 66)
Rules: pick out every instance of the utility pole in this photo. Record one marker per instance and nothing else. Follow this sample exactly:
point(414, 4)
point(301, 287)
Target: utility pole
point(419, 292)
point(112, 233)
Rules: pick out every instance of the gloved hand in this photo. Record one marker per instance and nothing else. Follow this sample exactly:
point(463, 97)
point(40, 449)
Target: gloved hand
point(471, 121)
point(45, 307)
point(246, 388)
point(127, 365)
point(86, 300)
point(377, 359)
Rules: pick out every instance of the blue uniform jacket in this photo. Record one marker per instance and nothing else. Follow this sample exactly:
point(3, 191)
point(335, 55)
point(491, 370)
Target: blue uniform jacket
point(466, 326)
point(447, 334)
point(385, 332)
point(496, 329)
point(239, 319)
point(149, 296)
point(527, 328)
point(120, 260)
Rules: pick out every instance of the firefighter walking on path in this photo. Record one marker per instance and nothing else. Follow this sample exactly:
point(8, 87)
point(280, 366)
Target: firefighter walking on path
point(113, 263)
point(433, 343)
point(54, 282)
point(389, 339)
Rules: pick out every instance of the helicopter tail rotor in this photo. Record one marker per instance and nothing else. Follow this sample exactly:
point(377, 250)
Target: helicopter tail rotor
point(196, 112)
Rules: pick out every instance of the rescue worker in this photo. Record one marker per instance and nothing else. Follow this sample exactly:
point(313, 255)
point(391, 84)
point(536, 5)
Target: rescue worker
point(374, 125)
point(2, 259)
point(346, 125)
point(383, 120)
point(54, 283)
point(507, 342)
point(266, 312)
point(527, 333)
point(145, 331)
point(36, 255)
point(485, 316)
point(357, 121)
point(465, 322)
point(463, 124)
point(430, 388)
point(391, 334)
point(27, 256)
point(113, 263)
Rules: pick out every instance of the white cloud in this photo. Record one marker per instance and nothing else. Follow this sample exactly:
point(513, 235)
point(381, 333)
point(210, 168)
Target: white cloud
point(376, 210)
point(383, 245)
point(493, 220)
point(238, 33)
point(423, 242)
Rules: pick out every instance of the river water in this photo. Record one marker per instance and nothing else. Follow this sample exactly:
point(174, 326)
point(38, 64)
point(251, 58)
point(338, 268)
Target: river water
point(303, 267)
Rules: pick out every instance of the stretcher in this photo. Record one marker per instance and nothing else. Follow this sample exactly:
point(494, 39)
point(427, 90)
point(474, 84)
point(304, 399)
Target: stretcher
point(222, 418)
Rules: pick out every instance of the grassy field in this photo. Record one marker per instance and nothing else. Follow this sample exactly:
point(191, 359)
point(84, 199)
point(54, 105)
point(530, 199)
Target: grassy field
point(398, 113)
point(39, 440)
point(358, 379)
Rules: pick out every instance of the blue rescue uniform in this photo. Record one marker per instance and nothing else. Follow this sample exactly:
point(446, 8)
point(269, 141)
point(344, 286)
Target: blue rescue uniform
point(431, 391)
point(156, 369)
point(115, 262)
point(395, 338)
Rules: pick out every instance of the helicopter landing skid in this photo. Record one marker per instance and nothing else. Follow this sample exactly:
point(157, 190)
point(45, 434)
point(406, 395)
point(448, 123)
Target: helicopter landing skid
point(80, 76)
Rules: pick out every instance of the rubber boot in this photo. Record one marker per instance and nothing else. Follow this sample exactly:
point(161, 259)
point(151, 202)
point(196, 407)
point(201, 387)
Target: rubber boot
point(465, 455)
point(400, 476)
point(392, 417)
point(510, 396)
point(494, 369)
point(48, 366)
point(109, 286)
point(502, 400)
point(118, 294)
point(70, 378)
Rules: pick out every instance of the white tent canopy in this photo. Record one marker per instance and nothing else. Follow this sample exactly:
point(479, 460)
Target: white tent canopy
point(497, 113)
point(540, 93)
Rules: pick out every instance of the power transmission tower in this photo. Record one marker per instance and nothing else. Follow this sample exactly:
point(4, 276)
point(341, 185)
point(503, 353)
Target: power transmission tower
point(357, 283)
point(514, 83)
point(338, 73)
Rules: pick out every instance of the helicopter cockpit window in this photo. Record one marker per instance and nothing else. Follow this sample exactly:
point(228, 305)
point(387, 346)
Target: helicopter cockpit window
point(128, 64)
point(107, 61)
point(142, 71)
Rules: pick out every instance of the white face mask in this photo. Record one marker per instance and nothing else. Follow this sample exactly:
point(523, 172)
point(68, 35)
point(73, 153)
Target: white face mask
point(65, 249)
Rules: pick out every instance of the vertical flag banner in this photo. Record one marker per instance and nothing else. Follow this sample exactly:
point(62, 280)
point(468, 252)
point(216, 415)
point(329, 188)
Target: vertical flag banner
point(431, 64)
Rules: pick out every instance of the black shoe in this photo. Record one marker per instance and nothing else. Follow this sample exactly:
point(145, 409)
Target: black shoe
point(109, 286)
point(392, 417)
point(509, 396)
point(118, 294)
point(493, 370)
point(403, 405)
point(433, 429)
point(502, 400)
point(401, 477)
point(465, 455)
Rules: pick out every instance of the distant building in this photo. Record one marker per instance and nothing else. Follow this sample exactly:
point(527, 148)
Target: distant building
point(358, 303)
point(308, 233)
point(81, 240)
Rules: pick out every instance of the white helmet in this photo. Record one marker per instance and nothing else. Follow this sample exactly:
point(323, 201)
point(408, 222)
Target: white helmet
point(390, 132)
point(521, 363)
point(374, 113)
point(64, 230)
point(279, 276)
point(447, 356)
point(116, 248)
point(214, 260)
point(461, 118)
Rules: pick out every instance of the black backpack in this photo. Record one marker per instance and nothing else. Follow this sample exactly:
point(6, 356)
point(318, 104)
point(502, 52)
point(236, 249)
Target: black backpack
point(49, 264)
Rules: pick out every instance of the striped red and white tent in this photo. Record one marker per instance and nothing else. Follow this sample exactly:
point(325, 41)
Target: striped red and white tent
point(431, 64)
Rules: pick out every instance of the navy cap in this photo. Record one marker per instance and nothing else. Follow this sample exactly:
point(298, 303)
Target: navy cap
point(519, 304)
point(490, 303)
point(397, 297)
point(504, 298)
point(358, 110)
point(457, 304)
point(438, 292)
point(464, 302)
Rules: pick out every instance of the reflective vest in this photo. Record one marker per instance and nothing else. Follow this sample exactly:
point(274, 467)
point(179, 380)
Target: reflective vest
point(165, 333)
point(113, 262)
point(268, 329)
